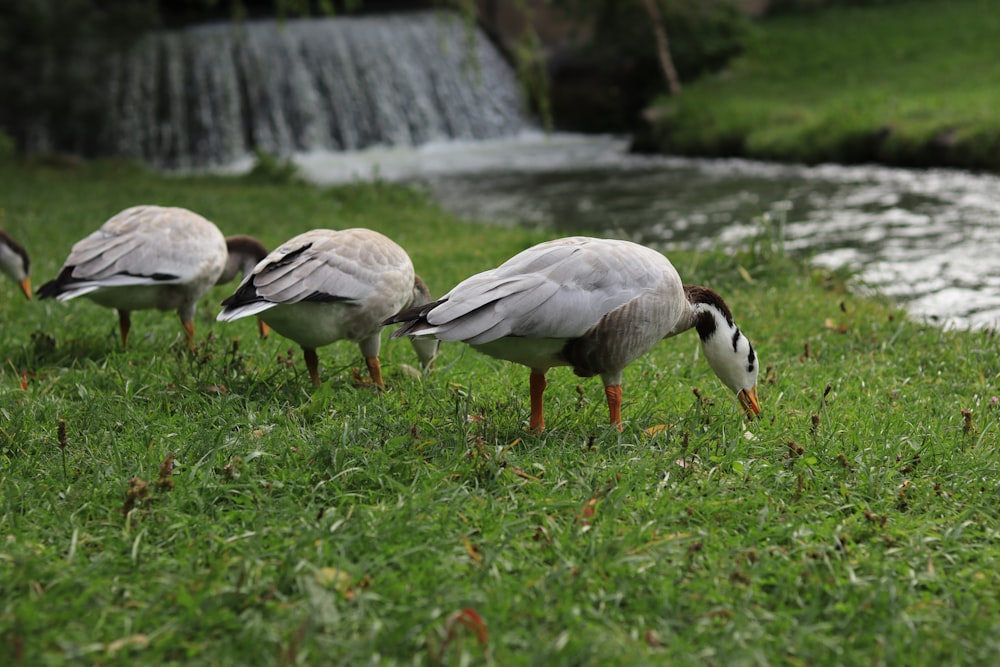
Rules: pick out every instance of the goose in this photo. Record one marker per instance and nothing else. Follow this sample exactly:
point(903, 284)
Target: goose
point(244, 253)
point(325, 285)
point(592, 304)
point(152, 257)
point(15, 263)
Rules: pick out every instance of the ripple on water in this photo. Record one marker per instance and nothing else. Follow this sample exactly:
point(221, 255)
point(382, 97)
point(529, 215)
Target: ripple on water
point(928, 238)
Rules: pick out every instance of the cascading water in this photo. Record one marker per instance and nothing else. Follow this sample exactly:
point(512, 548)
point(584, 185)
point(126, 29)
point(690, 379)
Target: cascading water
point(212, 94)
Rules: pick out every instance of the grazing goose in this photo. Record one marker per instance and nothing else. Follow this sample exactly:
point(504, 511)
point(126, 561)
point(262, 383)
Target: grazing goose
point(15, 263)
point(325, 285)
point(593, 304)
point(152, 257)
point(244, 254)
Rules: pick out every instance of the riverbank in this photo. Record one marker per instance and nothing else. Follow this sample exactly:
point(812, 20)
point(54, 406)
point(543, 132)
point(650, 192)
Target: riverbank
point(901, 83)
point(855, 523)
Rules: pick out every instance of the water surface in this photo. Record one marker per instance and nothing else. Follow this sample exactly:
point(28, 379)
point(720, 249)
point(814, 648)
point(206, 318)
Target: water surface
point(928, 238)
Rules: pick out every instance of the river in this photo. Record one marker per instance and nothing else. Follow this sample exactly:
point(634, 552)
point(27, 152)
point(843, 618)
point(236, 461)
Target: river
point(928, 238)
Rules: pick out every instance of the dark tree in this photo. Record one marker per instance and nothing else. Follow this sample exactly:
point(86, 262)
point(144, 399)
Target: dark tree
point(53, 57)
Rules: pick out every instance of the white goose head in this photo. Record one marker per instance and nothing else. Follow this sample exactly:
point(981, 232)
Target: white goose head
point(425, 347)
point(728, 351)
point(15, 263)
point(243, 254)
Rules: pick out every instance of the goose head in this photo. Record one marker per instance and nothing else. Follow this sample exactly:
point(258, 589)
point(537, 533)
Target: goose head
point(15, 263)
point(425, 347)
point(244, 252)
point(728, 351)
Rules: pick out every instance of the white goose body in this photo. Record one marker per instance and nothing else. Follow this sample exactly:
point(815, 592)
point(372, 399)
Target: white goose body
point(149, 257)
point(593, 304)
point(14, 262)
point(324, 285)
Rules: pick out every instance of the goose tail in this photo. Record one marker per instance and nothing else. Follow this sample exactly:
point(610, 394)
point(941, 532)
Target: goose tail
point(413, 319)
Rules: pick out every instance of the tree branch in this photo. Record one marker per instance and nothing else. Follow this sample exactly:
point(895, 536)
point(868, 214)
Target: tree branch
point(663, 48)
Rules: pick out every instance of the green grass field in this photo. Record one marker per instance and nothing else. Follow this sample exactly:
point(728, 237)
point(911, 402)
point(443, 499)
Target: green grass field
point(214, 509)
point(908, 82)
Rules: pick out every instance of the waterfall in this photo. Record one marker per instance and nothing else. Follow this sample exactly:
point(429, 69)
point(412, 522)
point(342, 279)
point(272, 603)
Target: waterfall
point(211, 94)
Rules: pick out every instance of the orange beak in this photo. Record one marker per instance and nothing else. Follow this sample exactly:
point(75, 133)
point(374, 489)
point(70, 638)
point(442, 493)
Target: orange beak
point(748, 399)
point(26, 288)
point(262, 328)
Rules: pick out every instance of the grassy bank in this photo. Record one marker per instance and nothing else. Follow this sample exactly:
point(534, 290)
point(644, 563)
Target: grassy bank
point(856, 523)
point(905, 83)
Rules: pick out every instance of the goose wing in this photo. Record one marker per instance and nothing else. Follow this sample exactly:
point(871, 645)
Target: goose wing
point(558, 289)
point(353, 265)
point(143, 245)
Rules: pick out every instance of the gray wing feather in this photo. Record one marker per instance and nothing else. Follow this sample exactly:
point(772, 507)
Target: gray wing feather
point(346, 265)
point(93, 246)
point(146, 240)
point(559, 289)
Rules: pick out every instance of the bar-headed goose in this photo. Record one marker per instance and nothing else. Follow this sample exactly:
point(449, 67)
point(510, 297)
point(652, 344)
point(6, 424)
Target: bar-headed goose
point(593, 304)
point(325, 285)
point(152, 257)
point(245, 252)
point(15, 263)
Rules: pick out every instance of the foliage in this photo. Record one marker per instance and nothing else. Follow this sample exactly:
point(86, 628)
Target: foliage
point(54, 53)
point(268, 168)
point(211, 508)
point(703, 35)
point(852, 84)
point(53, 57)
point(7, 149)
point(786, 6)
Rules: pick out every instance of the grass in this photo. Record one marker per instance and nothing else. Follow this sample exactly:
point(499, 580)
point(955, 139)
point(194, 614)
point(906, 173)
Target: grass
point(907, 83)
point(212, 508)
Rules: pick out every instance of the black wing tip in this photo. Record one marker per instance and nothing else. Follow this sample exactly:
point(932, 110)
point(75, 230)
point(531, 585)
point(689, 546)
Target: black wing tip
point(407, 315)
point(57, 285)
point(49, 290)
point(244, 295)
point(411, 318)
point(237, 301)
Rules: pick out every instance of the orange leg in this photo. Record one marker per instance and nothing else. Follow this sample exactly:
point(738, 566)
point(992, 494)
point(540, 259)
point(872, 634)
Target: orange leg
point(124, 325)
point(375, 370)
point(312, 363)
point(189, 332)
point(262, 328)
point(614, 394)
point(536, 423)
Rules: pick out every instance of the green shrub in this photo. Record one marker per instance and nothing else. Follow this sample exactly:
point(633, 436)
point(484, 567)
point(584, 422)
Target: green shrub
point(7, 148)
point(270, 168)
point(784, 6)
point(851, 84)
point(703, 36)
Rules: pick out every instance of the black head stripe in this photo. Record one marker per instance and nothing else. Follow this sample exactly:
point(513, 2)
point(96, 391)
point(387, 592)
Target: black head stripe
point(704, 323)
point(697, 294)
point(704, 320)
point(17, 248)
point(751, 360)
